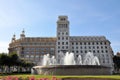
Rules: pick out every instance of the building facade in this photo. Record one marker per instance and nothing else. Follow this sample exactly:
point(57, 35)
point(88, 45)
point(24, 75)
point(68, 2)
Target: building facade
point(33, 48)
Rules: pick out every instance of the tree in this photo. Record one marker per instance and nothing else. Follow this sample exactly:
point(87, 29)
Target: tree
point(11, 61)
point(5, 62)
point(14, 58)
point(116, 60)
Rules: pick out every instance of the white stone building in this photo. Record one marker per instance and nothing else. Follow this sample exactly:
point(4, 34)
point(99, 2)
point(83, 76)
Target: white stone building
point(33, 48)
point(80, 45)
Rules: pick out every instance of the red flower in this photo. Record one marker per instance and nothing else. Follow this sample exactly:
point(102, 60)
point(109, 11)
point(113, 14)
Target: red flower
point(32, 78)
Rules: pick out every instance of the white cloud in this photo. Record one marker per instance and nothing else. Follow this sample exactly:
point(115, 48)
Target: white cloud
point(3, 46)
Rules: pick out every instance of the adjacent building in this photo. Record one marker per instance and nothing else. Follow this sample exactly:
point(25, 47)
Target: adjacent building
point(33, 48)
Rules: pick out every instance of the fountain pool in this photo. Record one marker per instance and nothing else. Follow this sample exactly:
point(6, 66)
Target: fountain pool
point(69, 64)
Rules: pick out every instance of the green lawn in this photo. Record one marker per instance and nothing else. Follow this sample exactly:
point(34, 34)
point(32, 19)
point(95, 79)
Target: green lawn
point(50, 76)
point(93, 76)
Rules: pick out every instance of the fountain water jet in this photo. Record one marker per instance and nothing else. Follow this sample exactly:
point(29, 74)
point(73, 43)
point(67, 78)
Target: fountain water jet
point(69, 59)
point(69, 64)
point(90, 59)
point(79, 60)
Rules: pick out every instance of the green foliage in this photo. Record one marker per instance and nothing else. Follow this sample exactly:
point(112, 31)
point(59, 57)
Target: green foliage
point(12, 60)
point(116, 60)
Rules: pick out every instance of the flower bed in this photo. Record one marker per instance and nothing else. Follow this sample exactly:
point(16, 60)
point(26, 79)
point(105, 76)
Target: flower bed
point(28, 78)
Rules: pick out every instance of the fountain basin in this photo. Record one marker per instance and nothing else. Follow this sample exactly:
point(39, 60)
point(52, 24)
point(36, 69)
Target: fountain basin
point(72, 70)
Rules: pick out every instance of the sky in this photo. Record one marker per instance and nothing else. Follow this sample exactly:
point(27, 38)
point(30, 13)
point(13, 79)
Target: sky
point(38, 19)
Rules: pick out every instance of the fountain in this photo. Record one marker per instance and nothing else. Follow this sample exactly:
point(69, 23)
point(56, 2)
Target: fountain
point(69, 59)
point(69, 64)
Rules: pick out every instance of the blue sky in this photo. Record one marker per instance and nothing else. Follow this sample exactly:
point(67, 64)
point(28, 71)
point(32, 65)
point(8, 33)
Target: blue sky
point(38, 18)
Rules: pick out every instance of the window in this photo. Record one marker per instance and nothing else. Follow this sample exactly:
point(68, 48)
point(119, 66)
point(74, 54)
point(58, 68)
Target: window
point(81, 47)
point(72, 47)
point(62, 43)
point(76, 47)
point(42, 52)
point(37, 49)
point(52, 49)
point(85, 47)
point(81, 51)
point(92, 43)
point(72, 43)
point(58, 43)
point(88, 43)
point(66, 47)
point(35, 43)
point(37, 52)
point(85, 51)
point(76, 43)
point(77, 55)
point(27, 52)
point(89, 47)
point(106, 51)
point(93, 51)
point(93, 47)
point(89, 50)
point(105, 47)
point(101, 47)
point(58, 47)
point(105, 43)
point(80, 43)
point(97, 47)
point(66, 38)
point(37, 56)
point(32, 49)
point(62, 19)
point(101, 43)
point(66, 43)
point(47, 49)
point(27, 56)
point(62, 38)
point(97, 43)
point(42, 49)
point(84, 43)
point(58, 38)
point(32, 56)
point(62, 47)
point(77, 51)
point(102, 51)
point(58, 33)
point(98, 51)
